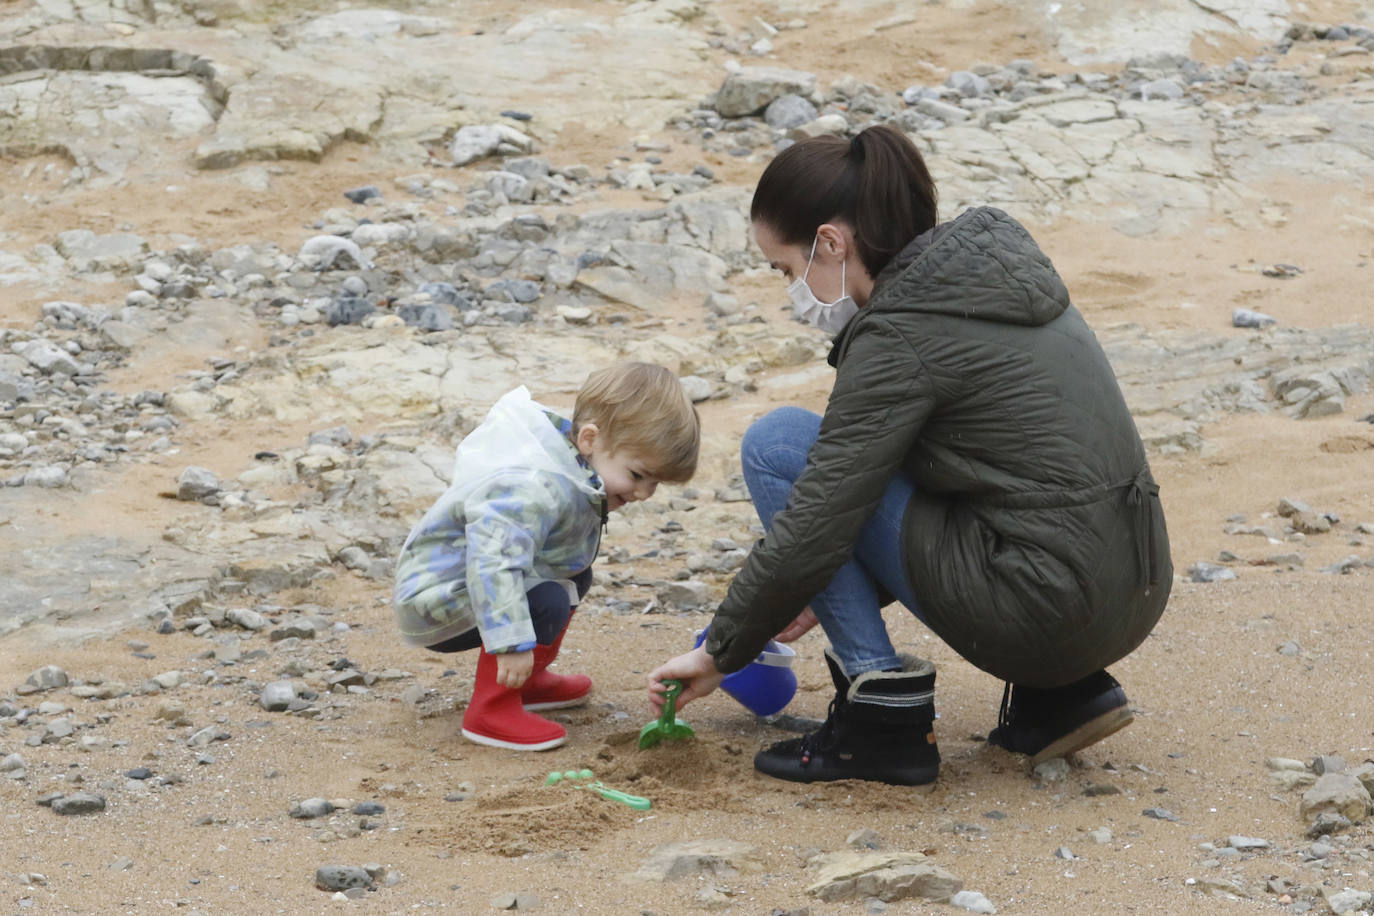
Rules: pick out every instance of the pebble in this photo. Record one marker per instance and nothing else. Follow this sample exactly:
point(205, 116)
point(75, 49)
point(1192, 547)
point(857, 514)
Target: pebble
point(277, 696)
point(1247, 318)
point(1202, 571)
point(341, 877)
point(972, 901)
point(1160, 814)
point(363, 194)
point(80, 803)
point(312, 808)
point(788, 111)
point(48, 677)
point(196, 483)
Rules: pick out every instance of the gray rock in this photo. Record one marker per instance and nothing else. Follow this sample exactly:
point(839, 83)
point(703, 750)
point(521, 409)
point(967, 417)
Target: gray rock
point(196, 483)
point(277, 696)
point(530, 167)
point(514, 290)
point(298, 629)
point(1327, 763)
point(80, 803)
point(312, 808)
point(369, 808)
point(934, 108)
point(696, 388)
point(207, 736)
point(685, 596)
point(48, 677)
point(864, 838)
point(363, 194)
point(1056, 769)
point(478, 141)
point(1161, 89)
point(828, 125)
point(748, 90)
point(1160, 814)
point(1327, 823)
point(972, 901)
point(887, 876)
point(788, 111)
point(968, 84)
point(49, 476)
point(245, 618)
point(1336, 793)
point(324, 252)
point(47, 357)
point(1247, 843)
point(1248, 318)
point(426, 317)
point(717, 858)
point(1202, 571)
point(347, 310)
point(341, 877)
point(1348, 900)
point(14, 387)
point(87, 251)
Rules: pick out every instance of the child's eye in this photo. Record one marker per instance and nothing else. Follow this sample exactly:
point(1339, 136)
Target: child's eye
point(636, 475)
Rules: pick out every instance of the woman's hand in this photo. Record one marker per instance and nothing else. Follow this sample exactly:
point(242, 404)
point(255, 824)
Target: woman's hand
point(514, 668)
point(797, 628)
point(697, 672)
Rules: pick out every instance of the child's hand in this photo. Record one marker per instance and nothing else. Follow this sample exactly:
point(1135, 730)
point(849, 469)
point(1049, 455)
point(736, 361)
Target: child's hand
point(514, 668)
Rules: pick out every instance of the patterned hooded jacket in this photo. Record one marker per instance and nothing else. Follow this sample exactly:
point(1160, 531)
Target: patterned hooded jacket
point(523, 508)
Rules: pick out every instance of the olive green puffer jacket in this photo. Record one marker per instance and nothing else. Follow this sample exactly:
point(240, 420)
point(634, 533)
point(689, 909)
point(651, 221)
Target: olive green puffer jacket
point(1035, 543)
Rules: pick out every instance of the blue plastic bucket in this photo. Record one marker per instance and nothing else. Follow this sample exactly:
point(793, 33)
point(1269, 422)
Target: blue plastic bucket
point(765, 685)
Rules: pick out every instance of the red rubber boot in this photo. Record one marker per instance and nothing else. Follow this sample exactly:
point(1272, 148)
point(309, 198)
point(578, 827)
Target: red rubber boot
point(546, 690)
point(496, 717)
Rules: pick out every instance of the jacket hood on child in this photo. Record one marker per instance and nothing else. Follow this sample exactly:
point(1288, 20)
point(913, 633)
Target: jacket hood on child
point(522, 509)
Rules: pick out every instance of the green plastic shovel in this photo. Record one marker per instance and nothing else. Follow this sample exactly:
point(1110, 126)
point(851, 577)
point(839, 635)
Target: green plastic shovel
point(668, 726)
point(578, 780)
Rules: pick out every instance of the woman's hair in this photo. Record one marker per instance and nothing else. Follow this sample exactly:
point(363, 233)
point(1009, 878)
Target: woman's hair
point(642, 408)
point(877, 183)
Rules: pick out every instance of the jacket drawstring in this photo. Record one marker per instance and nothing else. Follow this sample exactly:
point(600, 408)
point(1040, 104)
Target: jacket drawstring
point(1143, 494)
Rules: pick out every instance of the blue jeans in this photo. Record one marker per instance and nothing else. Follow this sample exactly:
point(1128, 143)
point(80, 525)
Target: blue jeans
point(550, 611)
point(774, 455)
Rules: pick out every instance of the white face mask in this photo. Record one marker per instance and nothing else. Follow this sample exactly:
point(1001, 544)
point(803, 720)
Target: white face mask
point(828, 316)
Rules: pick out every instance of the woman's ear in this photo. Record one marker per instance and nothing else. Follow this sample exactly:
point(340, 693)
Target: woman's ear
point(834, 241)
point(586, 439)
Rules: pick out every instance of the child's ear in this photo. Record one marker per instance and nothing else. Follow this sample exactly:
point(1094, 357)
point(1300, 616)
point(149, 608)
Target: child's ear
point(586, 438)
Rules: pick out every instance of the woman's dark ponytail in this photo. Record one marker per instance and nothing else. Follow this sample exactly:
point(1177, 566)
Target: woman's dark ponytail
point(877, 182)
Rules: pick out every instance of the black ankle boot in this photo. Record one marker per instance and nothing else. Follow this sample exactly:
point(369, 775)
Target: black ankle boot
point(880, 728)
point(1055, 722)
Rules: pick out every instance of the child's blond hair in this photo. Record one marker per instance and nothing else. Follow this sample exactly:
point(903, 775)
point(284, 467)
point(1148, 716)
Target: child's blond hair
point(642, 408)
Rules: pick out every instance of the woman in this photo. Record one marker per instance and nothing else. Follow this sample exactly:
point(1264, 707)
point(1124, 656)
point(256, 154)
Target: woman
point(976, 462)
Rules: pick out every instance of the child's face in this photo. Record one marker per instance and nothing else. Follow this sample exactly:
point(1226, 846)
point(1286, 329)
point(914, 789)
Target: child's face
point(625, 475)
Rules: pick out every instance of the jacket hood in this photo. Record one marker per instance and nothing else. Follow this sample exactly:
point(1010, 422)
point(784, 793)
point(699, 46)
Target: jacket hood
point(982, 265)
point(516, 425)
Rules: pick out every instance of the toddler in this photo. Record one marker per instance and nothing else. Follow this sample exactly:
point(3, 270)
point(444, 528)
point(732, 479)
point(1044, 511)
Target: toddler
point(501, 561)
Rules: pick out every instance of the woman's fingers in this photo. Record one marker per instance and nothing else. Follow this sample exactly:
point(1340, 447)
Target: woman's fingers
point(799, 627)
point(697, 672)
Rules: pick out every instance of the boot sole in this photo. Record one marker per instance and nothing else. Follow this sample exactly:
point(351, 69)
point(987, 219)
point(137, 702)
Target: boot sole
point(556, 704)
point(1089, 733)
point(511, 745)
